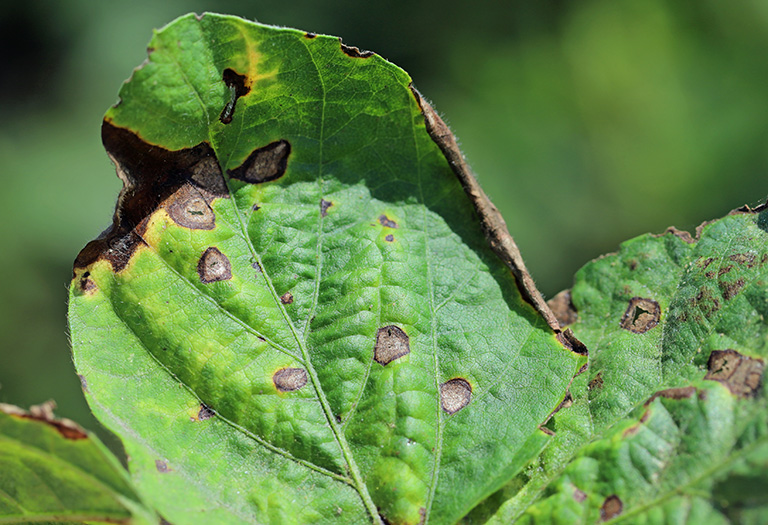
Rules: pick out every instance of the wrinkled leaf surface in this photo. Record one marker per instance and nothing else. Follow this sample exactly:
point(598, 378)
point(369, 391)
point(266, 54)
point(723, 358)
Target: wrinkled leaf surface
point(674, 398)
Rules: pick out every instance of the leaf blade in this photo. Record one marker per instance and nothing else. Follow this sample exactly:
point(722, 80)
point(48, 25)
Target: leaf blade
point(340, 218)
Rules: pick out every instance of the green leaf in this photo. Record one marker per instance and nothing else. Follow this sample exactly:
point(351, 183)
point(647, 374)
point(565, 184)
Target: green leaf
point(661, 466)
point(306, 309)
point(672, 400)
point(53, 471)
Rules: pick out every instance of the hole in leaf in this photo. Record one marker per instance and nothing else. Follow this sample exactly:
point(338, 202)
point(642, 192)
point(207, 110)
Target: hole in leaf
point(642, 314)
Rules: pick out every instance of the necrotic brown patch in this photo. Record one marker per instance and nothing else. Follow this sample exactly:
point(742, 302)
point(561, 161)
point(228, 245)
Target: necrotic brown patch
point(387, 222)
point(642, 314)
point(562, 306)
point(86, 284)
point(597, 382)
point(741, 374)
point(150, 175)
point(205, 412)
point(455, 394)
point(289, 379)
point(264, 164)
point(612, 507)
point(238, 87)
point(682, 392)
point(324, 205)
point(732, 289)
point(354, 52)
point(214, 266)
point(391, 343)
point(287, 298)
point(189, 208)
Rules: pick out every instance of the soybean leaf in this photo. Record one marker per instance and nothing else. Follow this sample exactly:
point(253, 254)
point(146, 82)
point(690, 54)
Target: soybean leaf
point(673, 398)
point(53, 471)
point(297, 315)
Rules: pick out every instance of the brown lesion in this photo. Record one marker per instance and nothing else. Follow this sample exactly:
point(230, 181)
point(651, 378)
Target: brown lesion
point(264, 164)
point(742, 375)
point(151, 177)
point(205, 412)
point(641, 315)
point(562, 306)
point(354, 52)
point(386, 221)
point(239, 86)
point(611, 507)
point(682, 392)
point(597, 382)
point(44, 414)
point(213, 266)
point(289, 379)
point(455, 394)
point(86, 285)
point(391, 343)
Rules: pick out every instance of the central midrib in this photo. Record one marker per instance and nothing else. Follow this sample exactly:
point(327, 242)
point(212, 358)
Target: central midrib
point(354, 471)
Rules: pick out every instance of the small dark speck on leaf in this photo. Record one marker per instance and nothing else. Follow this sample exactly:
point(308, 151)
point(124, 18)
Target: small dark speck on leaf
point(387, 222)
point(286, 298)
point(83, 382)
point(162, 466)
point(612, 507)
point(86, 284)
point(214, 266)
point(310, 35)
point(205, 412)
point(289, 379)
point(324, 205)
point(455, 394)
point(642, 314)
point(389, 238)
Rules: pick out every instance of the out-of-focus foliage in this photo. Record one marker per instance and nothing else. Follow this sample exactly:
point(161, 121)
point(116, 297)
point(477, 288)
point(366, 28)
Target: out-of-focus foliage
point(587, 124)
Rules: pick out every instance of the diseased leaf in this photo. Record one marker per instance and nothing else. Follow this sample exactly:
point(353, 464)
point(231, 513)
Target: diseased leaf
point(296, 316)
point(51, 470)
point(673, 399)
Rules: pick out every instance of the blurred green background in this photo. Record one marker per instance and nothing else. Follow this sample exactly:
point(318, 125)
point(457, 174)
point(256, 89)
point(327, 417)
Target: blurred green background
point(587, 122)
